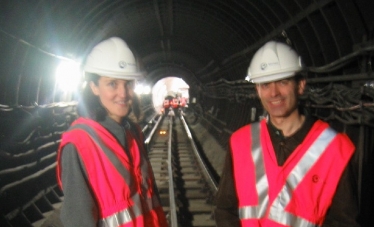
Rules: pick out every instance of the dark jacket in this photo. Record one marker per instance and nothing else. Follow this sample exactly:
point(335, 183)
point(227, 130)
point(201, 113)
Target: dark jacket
point(344, 207)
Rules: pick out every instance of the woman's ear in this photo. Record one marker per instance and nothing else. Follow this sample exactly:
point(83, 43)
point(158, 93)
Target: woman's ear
point(94, 88)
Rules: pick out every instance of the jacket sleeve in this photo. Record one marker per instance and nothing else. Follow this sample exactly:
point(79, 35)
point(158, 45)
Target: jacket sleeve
point(343, 211)
point(79, 207)
point(226, 212)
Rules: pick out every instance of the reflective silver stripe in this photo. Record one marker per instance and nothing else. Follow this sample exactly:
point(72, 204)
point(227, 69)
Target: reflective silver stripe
point(109, 153)
point(126, 215)
point(130, 213)
point(262, 184)
point(123, 216)
point(277, 212)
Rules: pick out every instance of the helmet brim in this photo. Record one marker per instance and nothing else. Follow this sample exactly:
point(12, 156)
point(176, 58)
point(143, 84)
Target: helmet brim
point(116, 75)
point(272, 78)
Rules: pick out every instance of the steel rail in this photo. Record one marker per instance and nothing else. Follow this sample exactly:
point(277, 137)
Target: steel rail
point(206, 172)
point(173, 212)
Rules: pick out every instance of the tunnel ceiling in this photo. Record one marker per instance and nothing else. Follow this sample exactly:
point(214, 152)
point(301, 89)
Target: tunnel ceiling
point(200, 41)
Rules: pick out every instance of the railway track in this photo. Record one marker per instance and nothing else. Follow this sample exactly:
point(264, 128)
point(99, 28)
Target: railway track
point(186, 187)
point(186, 198)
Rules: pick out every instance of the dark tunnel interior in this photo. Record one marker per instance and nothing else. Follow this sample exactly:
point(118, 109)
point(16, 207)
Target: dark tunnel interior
point(208, 44)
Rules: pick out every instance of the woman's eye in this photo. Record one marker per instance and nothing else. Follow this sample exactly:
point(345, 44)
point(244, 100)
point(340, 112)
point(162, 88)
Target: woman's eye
point(112, 84)
point(130, 84)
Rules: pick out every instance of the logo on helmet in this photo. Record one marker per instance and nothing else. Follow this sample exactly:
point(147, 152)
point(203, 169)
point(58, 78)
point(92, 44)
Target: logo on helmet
point(264, 65)
point(122, 64)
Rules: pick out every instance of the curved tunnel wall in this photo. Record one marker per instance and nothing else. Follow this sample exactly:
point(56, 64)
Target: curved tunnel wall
point(209, 40)
point(210, 43)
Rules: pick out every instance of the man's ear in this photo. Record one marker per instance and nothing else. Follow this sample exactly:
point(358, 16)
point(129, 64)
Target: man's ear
point(256, 87)
point(94, 88)
point(301, 86)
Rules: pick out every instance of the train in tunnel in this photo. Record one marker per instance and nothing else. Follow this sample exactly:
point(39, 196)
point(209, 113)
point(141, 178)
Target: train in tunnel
point(177, 104)
point(209, 44)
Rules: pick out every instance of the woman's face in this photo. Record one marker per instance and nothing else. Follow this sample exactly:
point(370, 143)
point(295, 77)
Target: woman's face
point(115, 95)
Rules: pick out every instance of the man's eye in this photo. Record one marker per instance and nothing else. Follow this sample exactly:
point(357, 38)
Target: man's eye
point(284, 82)
point(265, 85)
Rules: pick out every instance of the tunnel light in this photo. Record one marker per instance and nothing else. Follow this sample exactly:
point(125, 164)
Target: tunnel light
point(68, 76)
point(162, 132)
point(147, 89)
point(142, 89)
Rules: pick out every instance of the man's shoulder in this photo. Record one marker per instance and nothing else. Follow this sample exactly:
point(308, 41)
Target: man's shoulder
point(318, 123)
point(245, 129)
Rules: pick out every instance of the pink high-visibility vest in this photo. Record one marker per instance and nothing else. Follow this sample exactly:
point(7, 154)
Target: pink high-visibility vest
point(124, 188)
point(182, 102)
point(297, 194)
point(174, 103)
point(166, 103)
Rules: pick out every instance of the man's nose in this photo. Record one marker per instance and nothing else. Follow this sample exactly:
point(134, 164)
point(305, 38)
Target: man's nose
point(274, 91)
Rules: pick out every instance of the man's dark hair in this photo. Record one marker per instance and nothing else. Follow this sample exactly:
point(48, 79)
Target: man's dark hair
point(299, 77)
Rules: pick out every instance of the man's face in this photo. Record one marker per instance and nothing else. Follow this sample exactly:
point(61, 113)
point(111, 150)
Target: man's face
point(115, 95)
point(280, 98)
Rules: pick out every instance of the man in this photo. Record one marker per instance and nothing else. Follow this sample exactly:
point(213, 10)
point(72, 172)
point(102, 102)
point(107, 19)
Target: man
point(288, 169)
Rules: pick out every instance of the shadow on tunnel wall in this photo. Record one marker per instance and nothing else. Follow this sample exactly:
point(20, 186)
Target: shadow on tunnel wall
point(29, 139)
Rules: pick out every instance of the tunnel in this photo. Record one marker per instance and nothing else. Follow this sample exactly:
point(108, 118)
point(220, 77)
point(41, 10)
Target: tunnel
point(206, 44)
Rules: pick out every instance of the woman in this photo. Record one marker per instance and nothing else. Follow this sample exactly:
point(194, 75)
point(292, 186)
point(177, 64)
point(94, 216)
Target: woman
point(103, 168)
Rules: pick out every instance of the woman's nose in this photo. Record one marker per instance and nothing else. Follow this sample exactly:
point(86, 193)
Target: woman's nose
point(122, 90)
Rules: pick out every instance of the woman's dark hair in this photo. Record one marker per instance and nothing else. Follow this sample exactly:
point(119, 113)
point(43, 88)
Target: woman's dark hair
point(89, 104)
point(135, 114)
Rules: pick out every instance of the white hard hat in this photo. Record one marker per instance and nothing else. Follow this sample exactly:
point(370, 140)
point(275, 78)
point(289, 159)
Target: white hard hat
point(273, 61)
point(112, 58)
